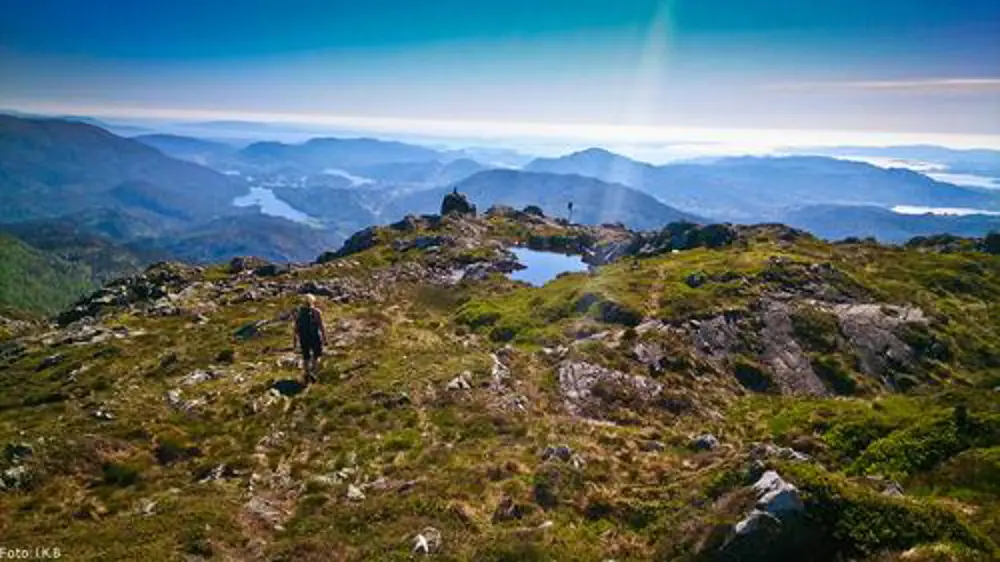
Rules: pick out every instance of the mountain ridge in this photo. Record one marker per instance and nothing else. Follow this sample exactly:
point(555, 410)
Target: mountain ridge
point(54, 167)
point(755, 189)
point(318, 154)
point(594, 201)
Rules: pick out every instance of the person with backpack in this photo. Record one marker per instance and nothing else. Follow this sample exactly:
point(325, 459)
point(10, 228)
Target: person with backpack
point(311, 335)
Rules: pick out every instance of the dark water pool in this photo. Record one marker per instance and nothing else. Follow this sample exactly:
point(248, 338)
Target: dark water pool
point(542, 267)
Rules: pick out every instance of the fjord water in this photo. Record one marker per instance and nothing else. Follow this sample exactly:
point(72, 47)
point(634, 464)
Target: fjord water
point(270, 204)
point(941, 211)
point(542, 267)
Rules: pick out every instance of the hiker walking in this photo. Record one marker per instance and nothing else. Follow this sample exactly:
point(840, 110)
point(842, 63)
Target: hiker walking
point(569, 207)
point(311, 335)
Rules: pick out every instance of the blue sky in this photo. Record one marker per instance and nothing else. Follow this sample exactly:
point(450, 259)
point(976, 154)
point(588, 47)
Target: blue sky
point(916, 66)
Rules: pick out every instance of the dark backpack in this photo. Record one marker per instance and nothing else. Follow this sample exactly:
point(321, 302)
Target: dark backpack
point(307, 323)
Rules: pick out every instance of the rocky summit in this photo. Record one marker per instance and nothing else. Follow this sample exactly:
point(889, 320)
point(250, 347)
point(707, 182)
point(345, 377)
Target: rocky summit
point(702, 393)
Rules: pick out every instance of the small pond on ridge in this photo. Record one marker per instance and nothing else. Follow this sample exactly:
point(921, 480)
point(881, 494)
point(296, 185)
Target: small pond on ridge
point(542, 267)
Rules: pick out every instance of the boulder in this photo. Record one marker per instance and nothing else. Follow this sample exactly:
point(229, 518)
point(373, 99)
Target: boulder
point(695, 280)
point(505, 211)
point(354, 493)
point(16, 478)
point(50, 361)
point(427, 541)
point(508, 510)
point(718, 337)
point(358, 242)
point(17, 452)
point(199, 376)
point(774, 529)
point(777, 497)
point(707, 442)
point(239, 264)
point(534, 210)
point(175, 399)
point(408, 224)
point(249, 330)
point(756, 522)
point(651, 355)
point(271, 270)
point(461, 382)
point(318, 289)
point(457, 203)
point(874, 331)
point(592, 391)
point(761, 451)
point(560, 452)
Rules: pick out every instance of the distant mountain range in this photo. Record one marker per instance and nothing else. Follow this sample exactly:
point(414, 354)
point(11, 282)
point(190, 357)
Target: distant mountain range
point(87, 196)
point(761, 189)
point(321, 154)
point(52, 168)
point(594, 201)
point(964, 161)
point(368, 162)
point(493, 157)
point(59, 177)
point(837, 222)
point(205, 152)
point(433, 173)
point(113, 126)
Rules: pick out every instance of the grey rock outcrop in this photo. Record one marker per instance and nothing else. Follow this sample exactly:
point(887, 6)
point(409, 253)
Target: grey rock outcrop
point(589, 390)
point(777, 497)
point(873, 330)
point(358, 242)
point(457, 203)
point(788, 362)
point(774, 529)
point(761, 451)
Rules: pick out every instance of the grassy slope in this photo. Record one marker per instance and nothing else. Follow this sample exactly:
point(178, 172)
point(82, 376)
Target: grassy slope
point(460, 453)
point(36, 281)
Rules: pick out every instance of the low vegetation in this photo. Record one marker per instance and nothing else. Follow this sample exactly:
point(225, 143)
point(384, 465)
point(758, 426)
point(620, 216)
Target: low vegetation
point(38, 282)
point(499, 421)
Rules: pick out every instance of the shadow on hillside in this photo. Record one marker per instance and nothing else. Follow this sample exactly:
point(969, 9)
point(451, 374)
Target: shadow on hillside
point(288, 387)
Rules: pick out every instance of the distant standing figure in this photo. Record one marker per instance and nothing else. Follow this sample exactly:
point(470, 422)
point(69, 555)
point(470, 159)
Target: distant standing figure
point(311, 335)
point(570, 207)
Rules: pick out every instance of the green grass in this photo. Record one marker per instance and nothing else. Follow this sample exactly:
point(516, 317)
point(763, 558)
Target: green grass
point(864, 522)
point(382, 419)
point(924, 445)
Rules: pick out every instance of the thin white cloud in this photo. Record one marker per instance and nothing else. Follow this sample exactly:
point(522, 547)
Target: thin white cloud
point(606, 134)
point(924, 85)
